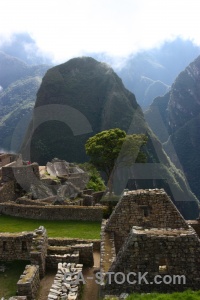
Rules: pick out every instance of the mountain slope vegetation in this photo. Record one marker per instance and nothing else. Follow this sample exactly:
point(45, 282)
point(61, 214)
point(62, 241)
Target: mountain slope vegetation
point(19, 84)
point(179, 115)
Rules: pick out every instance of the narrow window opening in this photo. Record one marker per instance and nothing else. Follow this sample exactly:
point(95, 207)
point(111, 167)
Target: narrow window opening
point(5, 246)
point(146, 210)
point(163, 265)
point(24, 246)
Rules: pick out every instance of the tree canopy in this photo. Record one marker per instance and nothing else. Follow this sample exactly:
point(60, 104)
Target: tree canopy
point(113, 148)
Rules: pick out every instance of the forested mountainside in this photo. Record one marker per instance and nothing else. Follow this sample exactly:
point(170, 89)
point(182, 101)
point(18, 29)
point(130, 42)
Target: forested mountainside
point(175, 119)
point(19, 83)
point(79, 98)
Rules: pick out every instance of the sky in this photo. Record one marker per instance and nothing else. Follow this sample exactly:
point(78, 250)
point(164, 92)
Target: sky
point(64, 29)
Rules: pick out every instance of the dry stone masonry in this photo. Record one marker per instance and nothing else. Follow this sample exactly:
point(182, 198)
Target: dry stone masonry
point(15, 246)
point(150, 236)
point(39, 249)
point(146, 208)
point(23, 193)
point(64, 286)
point(53, 212)
point(53, 260)
point(29, 282)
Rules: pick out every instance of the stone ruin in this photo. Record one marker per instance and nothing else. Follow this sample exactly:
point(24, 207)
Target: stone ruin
point(146, 233)
point(31, 191)
point(43, 253)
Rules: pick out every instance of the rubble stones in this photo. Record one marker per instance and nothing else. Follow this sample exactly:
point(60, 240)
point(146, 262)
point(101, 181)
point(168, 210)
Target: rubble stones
point(65, 286)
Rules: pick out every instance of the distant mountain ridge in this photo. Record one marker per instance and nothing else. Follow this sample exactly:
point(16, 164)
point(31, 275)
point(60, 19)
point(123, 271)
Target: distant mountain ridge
point(179, 111)
point(149, 74)
point(19, 83)
point(12, 69)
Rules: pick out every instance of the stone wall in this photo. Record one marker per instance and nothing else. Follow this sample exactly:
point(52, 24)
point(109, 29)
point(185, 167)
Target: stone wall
point(146, 208)
point(18, 298)
point(85, 252)
point(195, 225)
point(29, 282)
point(53, 212)
point(23, 174)
point(157, 252)
point(15, 246)
point(7, 191)
point(53, 260)
point(26, 201)
point(73, 241)
point(64, 287)
point(6, 158)
point(39, 249)
point(108, 253)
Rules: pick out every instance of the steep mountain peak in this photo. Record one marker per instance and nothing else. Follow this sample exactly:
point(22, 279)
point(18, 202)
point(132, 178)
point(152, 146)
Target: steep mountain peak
point(184, 102)
point(175, 119)
point(95, 91)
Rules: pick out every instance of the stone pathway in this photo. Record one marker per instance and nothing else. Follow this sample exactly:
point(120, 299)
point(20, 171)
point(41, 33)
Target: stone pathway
point(45, 285)
point(91, 289)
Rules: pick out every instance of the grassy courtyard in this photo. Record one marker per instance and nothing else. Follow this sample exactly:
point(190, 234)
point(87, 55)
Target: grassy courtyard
point(9, 278)
point(70, 229)
point(187, 295)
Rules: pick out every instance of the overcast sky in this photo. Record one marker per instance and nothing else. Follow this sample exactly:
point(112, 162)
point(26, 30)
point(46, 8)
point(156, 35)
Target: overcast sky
point(68, 28)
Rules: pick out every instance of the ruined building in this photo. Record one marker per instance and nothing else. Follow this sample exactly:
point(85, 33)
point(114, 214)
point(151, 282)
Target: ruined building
point(146, 233)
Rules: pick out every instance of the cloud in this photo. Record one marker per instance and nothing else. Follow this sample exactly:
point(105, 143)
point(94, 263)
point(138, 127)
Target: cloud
point(68, 28)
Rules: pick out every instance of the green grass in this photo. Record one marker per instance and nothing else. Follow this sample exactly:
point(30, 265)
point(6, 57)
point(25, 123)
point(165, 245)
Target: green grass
point(9, 278)
point(70, 229)
point(187, 295)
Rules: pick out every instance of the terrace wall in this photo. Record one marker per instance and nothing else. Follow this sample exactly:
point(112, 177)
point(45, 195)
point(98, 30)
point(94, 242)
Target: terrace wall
point(53, 212)
point(71, 241)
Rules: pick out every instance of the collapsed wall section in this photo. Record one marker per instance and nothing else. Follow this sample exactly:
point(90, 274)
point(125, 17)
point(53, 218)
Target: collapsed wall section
point(23, 174)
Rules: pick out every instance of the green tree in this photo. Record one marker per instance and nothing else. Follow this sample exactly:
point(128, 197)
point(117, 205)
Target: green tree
point(110, 149)
point(95, 182)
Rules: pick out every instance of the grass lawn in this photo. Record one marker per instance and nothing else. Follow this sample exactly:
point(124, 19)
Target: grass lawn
point(70, 229)
point(187, 295)
point(9, 278)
